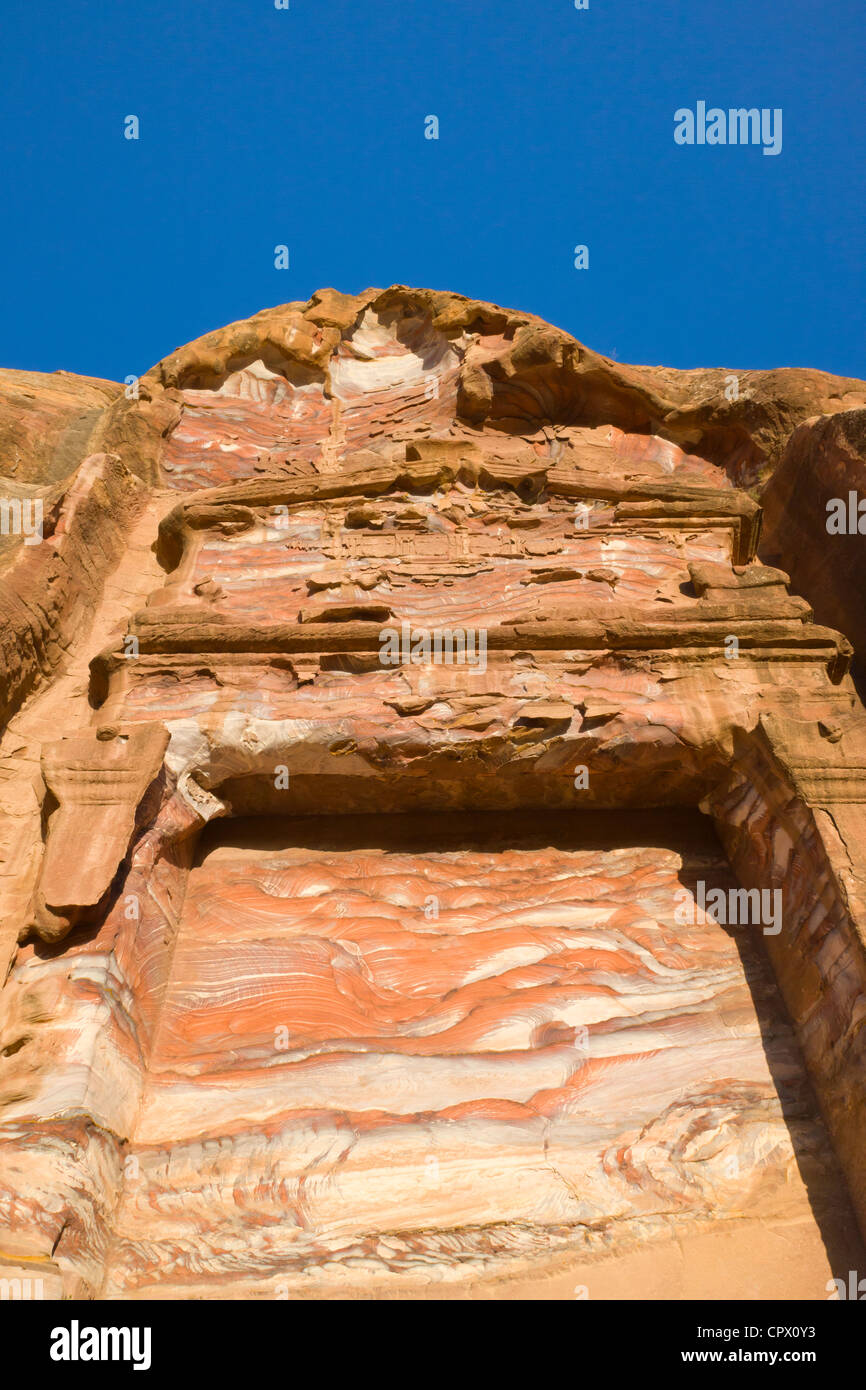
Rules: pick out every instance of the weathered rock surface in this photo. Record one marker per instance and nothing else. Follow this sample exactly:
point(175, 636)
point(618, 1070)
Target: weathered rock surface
point(824, 463)
point(393, 681)
point(46, 422)
point(508, 370)
point(547, 1064)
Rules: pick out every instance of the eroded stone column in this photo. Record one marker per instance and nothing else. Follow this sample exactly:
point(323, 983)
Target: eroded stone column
point(98, 781)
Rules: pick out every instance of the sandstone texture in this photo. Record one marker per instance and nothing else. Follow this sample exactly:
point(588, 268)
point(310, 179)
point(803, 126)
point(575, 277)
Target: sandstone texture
point(390, 684)
point(823, 462)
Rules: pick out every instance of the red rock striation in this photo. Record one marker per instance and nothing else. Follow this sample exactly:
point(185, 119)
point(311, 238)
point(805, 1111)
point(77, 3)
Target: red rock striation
point(391, 697)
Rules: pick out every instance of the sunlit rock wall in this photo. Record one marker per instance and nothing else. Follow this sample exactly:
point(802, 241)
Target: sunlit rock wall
point(343, 962)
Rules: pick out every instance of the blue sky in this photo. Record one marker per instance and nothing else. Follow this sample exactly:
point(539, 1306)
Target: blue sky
point(305, 127)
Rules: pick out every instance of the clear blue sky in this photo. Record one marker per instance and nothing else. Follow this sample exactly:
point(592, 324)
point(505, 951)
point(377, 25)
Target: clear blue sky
point(306, 127)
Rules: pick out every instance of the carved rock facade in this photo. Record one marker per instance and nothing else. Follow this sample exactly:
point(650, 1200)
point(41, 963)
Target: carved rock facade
point(395, 682)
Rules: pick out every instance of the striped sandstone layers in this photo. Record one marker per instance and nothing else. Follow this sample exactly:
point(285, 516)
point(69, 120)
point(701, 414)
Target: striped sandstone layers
point(340, 969)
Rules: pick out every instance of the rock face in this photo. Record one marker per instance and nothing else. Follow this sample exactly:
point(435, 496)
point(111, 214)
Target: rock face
point(430, 835)
point(813, 518)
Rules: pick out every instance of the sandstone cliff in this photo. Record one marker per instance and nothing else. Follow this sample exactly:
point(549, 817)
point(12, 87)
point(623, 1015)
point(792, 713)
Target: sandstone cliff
point(389, 684)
